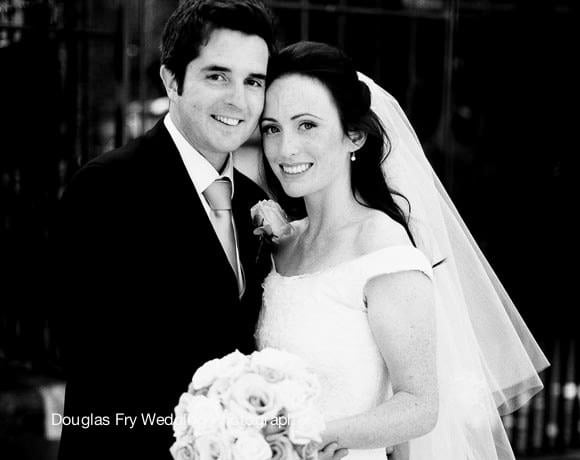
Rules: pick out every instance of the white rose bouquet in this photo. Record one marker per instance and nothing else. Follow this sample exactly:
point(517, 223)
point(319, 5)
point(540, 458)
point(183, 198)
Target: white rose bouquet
point(257, 407)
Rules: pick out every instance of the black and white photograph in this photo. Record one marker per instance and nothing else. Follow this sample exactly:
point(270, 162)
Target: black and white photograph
point(288, 230)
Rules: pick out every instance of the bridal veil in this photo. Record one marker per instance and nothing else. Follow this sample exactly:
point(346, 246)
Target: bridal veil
point(488, 361)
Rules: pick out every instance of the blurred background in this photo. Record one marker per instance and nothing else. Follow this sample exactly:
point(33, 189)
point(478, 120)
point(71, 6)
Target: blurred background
point(490, 86)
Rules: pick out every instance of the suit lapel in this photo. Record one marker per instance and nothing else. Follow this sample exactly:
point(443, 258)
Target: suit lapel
point(247, 242)
point(240, 210)
point(187, 202)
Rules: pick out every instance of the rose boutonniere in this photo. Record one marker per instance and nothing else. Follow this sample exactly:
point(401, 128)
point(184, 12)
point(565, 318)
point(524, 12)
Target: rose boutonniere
point(271, 221)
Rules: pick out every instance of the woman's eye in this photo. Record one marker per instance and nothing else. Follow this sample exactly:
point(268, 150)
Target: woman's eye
point(307, 125)
point(269, 129)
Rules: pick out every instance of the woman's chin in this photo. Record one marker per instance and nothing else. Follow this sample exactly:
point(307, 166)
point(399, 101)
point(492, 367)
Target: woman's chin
point(293, 192)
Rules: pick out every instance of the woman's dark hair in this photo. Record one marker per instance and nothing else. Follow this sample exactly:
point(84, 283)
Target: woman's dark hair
point(191, 24)
point(335, 71)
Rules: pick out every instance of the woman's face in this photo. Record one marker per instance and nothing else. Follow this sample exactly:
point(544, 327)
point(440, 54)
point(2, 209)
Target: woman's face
point(302, 136)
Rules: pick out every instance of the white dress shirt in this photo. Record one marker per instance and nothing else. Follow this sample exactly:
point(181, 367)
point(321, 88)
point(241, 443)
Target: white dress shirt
point(203, 174)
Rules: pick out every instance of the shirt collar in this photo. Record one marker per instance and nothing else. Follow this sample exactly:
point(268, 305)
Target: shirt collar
point(201, 172)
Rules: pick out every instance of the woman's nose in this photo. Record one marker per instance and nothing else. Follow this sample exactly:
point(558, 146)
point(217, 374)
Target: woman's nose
point(289, 145)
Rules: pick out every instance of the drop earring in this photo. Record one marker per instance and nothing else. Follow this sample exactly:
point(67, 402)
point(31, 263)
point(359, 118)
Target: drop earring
point(352, 156)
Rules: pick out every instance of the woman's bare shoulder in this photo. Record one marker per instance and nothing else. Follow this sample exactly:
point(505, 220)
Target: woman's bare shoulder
point(377, 231)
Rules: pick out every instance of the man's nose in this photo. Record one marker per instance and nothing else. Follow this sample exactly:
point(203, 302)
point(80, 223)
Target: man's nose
point(237, 96)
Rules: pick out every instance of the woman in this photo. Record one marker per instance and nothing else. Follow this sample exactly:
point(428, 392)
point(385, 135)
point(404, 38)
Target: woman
point(370, 287)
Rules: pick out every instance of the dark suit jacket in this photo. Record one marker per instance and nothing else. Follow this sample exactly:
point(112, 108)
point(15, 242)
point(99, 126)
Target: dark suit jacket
point(147, 293)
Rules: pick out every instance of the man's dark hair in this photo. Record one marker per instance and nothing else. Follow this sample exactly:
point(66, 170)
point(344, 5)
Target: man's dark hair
point(191, 24)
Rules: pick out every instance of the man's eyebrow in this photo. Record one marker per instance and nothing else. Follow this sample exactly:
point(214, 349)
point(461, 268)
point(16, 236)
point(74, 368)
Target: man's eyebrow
point(258, 76)
point(219, 68)
point(215, 68)
point(268, 119)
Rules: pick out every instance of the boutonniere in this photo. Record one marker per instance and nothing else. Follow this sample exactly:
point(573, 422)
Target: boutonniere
point(271, 222)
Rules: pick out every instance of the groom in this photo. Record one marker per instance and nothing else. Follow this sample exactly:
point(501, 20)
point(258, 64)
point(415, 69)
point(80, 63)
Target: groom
point(158, 257)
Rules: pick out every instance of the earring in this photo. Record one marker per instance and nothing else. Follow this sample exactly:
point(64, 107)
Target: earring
point(352, 156)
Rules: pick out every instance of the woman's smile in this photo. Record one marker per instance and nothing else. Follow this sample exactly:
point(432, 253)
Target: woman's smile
point(295, 169)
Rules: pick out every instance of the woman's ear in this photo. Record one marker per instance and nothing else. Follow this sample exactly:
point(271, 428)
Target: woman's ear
point(169, 81)
point(357, 140)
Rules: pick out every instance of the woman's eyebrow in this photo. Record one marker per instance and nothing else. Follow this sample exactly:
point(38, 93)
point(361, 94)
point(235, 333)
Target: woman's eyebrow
point(292, 118)
point(304, 114)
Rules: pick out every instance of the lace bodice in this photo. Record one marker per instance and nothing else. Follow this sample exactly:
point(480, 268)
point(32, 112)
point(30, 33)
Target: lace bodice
point(322, 317)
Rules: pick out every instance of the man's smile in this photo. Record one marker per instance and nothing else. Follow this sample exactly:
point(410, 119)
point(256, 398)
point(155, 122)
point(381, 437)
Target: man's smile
point(227, 120)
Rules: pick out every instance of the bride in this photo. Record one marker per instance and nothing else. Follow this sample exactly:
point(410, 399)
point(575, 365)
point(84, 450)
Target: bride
point(380, 287)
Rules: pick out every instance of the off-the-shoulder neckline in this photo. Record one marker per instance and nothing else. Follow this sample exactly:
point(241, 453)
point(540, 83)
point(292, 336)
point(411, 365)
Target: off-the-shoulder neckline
point(340, 264)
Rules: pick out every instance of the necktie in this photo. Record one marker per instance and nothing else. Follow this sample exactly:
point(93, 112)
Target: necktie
point(219, 198)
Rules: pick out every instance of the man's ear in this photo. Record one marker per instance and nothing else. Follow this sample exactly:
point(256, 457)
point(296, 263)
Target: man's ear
point(357, 139)
point(169, 81)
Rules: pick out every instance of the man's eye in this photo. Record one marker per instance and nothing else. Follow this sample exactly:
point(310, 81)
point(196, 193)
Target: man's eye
point(216, 77)
point(255, 83)
point(269, 129)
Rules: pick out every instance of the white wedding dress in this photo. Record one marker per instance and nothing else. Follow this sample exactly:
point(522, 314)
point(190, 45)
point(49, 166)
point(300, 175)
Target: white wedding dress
point(487, 359)
point(322, 318)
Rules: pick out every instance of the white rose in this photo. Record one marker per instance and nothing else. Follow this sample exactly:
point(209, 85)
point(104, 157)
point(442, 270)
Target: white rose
point(252, 399)
point(306, 426)
point(250, 445)
point(297, 394)
point(292, 395)
point(204, 415)
point(181, 428)
point(271, 220)
point(215, 446)
point(282, 448)
point(234, 365)
point(230, 366)
point(277, 425)
point(220, 389)
point(205, 375)
point(182, 451)
point(199, 392)
point(237, 420)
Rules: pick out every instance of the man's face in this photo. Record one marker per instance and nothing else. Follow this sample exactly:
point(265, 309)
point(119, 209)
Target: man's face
point(222, 94)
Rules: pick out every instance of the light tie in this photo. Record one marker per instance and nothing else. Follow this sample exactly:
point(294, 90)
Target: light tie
point(219, 198)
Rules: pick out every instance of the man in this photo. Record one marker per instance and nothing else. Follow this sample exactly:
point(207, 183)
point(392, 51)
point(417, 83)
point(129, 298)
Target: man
point(159, 275)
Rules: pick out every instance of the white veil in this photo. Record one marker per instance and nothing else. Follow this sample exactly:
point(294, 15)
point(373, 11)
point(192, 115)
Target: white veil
point(488, 361)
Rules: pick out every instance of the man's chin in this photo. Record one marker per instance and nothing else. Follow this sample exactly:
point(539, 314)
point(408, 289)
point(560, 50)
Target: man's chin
point(232, 146)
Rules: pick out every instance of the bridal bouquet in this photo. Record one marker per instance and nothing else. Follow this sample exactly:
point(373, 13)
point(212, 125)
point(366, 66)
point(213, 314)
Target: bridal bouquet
point(256, 407)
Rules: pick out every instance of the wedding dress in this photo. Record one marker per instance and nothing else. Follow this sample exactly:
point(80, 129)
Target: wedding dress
point(487, 360)
point(322, 318)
